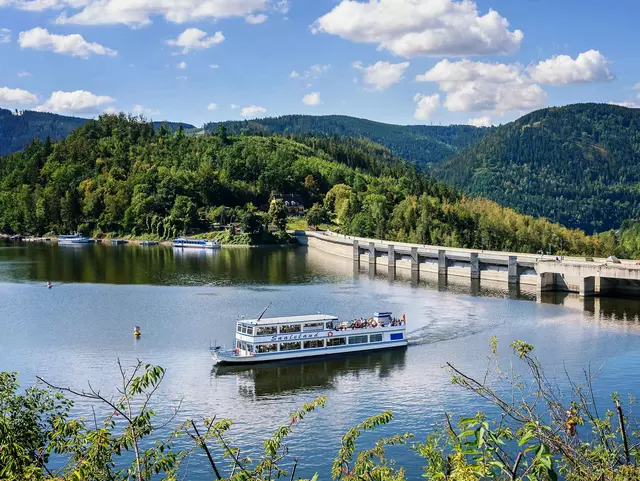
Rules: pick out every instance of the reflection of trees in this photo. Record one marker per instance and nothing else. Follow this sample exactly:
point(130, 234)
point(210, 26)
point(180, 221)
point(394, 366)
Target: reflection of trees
point(133, 264)
point(297, 375)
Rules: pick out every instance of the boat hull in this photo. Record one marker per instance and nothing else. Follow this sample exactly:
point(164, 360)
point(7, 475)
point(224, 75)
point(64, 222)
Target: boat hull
point(192, 246)
point(76, 242)
point(227, 357)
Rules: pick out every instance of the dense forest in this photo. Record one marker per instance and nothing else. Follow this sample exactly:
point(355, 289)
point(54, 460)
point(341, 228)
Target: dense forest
point(578, 165)
point(117, 175)
point(422, 144)
point(18, 129)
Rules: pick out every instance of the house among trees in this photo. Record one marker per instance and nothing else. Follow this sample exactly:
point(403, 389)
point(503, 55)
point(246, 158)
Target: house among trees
point(293, 203)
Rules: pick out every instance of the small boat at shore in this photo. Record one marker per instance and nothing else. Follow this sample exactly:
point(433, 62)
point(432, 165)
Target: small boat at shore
point(118, 242)
point(298, 337)
point(148, 243)
point(196, 243)
point(74, 239)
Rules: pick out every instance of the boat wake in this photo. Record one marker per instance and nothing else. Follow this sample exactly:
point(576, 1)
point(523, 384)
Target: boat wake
point(446, 331)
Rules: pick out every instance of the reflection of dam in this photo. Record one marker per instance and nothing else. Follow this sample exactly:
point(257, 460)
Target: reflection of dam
point(297, 375)
point(605, 311)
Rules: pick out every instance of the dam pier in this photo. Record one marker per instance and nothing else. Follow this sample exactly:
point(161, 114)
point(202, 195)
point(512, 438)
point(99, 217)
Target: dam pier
point(585, 276)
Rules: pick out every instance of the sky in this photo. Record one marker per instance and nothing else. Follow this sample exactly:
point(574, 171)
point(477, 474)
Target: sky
point(439, 62)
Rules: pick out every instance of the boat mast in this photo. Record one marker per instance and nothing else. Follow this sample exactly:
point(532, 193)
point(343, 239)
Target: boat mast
point(262, 313)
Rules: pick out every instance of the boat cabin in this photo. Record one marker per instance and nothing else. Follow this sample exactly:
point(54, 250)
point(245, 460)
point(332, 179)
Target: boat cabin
point(313, 332)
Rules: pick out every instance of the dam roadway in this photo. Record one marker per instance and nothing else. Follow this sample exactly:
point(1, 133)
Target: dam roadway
point(584, 275)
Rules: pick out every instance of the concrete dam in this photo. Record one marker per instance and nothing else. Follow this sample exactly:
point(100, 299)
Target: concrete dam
point(585, 276)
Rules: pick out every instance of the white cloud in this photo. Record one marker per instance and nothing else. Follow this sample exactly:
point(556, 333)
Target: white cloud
point(214, 66)
point(382, 75)
point(283, 6)
point(590, 66)
point(419, 27)
point(196, 39)
point(255, 19)
point(234, 106)
point(212, 106)
point(480, 121)
point(140, 12)
point(426, 106)
point(17, 96)
point(79, 101)
point(314, 72)
point(5, 34)
point(636, 86)
point(110, 110)
point(22, 73)
point(74, 44)
point(252, 111)
point(138, 110)
point(478, 86)
point(311, 99)
point(631, 105)
point(182, 65)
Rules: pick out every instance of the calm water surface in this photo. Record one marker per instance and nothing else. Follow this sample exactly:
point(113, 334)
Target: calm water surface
point(76, 331)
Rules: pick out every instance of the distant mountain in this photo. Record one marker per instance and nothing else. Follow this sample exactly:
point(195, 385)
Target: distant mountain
point(19, 128)
point(422, 144)
point(578, 165)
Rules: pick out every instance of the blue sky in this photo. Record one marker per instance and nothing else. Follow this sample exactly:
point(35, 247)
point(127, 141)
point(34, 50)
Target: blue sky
point(397, 61)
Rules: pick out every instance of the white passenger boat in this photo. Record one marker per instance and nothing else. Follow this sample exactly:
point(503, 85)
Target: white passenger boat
point(74, 239)
point(196, 243)
point(279, 338)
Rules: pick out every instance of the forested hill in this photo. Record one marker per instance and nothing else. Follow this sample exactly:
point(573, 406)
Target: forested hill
point(578, 165)
point(19, 129)
point(118, 175)
point(422, 144)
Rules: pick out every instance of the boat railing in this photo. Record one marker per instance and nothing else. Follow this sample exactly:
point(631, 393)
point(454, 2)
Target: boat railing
point(369, 324)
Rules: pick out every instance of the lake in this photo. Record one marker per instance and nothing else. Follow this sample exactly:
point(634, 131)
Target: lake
point(185, 300)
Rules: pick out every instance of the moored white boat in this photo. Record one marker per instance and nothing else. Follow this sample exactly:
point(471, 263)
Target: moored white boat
point(279, 338)
point(74, 239)
point(196, 243)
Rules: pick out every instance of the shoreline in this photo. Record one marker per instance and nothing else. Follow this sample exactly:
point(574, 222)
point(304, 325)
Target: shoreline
point(53, 239)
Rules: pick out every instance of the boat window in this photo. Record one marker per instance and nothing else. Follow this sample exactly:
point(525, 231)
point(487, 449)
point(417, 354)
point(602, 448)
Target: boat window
point(330, 325)
point(313, 344)
point(260, 348)
point(359, 339)
point(249, 331)
point(238, 345)
point(239, 328)
point(337, 341)
point(313, 326)
point(249, 347)
point(375, 338)
point(289, 346)
point(265, 330)
point(287, 328)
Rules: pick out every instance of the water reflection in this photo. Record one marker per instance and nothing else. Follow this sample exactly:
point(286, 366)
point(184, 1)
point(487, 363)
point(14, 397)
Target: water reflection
point(293, 376)
point(132, 264)
point(160, 265)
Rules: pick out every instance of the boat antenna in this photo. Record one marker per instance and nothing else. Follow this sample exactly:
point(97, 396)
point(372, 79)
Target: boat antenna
point(262, 313)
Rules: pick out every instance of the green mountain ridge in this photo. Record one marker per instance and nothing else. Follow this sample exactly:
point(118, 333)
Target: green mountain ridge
point(18, 129)
point(578, 165)
point(119, 175)
point(423, 144)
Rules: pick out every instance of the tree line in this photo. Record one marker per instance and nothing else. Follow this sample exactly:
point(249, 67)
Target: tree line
point(118, 175)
